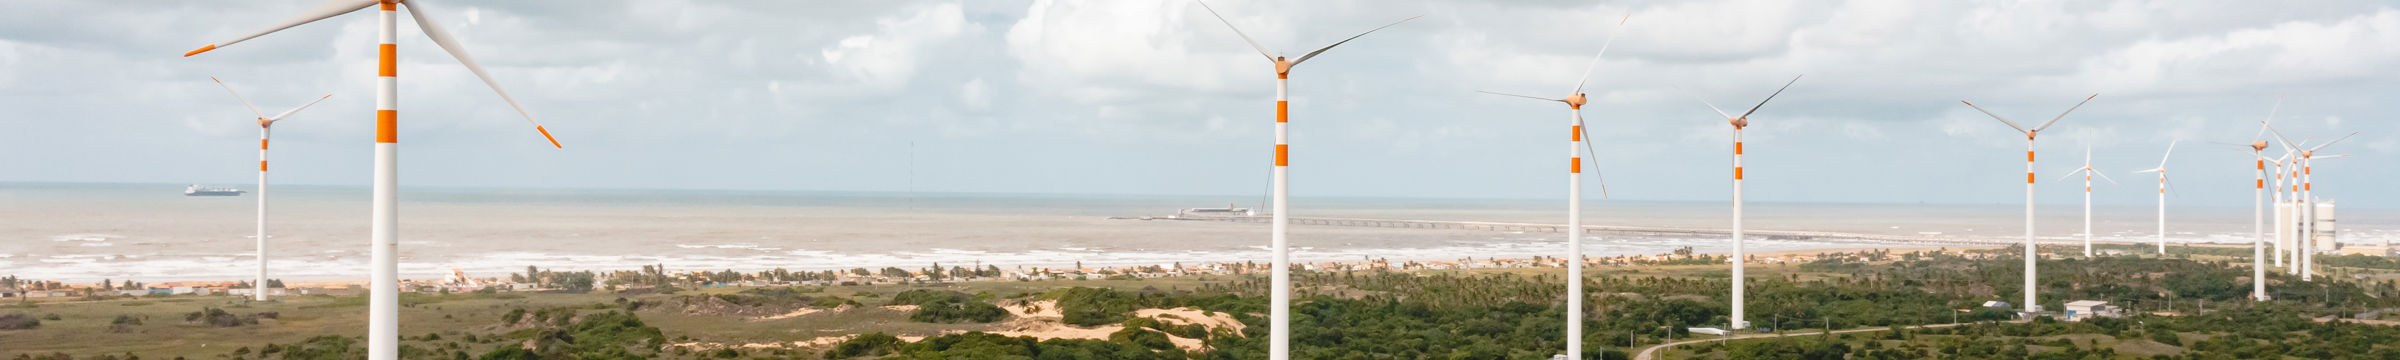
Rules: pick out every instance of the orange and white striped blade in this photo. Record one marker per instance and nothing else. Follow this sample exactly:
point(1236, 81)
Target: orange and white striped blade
point(441, 37)
point(1262, 50)
point(288, 113)
point(326, 10)
point(1587, 69)
point(1311, 54)
point(238, 96)
point(2063, 114)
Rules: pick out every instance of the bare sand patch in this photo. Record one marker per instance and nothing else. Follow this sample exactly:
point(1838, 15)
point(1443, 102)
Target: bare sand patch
point(795, 313)
point(1191, 316)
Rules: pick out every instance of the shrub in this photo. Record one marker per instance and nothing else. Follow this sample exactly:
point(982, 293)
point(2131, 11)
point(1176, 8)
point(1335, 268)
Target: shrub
point(18, 322)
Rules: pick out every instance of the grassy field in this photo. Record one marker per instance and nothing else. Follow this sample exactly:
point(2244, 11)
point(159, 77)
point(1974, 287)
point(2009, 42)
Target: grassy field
point(85, 327)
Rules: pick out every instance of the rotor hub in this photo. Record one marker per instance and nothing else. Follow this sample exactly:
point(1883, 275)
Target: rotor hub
point(1282, 67)
point(2258, 146)
point(265, 122)
point(1575, 101)
point(1739, 122)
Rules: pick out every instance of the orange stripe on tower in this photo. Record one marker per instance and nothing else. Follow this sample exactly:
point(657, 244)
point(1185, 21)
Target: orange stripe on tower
point(388, 5)
point(1737, 148)
point(2308, 187)
point(385, 65)
point(262, 144)
point(1283, 155)
point(262, 166)
point(2029, 178)
point(1578, 135)
point(387, 126)
point(2262, 183)
point(1737, 173)
point(2029, 156)
point(2262, 164)
point(1575, 165)
point(1283, 111)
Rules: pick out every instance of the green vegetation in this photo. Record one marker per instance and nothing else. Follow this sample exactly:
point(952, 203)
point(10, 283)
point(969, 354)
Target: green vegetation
point(948, 307)
point(1465, 314)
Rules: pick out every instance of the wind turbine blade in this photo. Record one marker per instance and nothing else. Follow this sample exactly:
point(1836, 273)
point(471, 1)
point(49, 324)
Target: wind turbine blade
point(1522, 96)
point(328, 9)
point(1262, 50)
point(2071, 174)
point(2162, 160)
point(442, 38)
point(1590, 155)
point(1711, 106)
point(2288, 145)
point(2149, 171)
point(2330, 143)
point(2072, 109)
point(238, 96)
point(1311, 54)
point(1770, 97)
point(1587, 69)
point(2011, 124)
point(288, 113)
point(2262, 124)
point(2104, 176)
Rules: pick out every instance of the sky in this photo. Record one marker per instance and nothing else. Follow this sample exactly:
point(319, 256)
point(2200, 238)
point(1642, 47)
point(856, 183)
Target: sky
point(1157, 97)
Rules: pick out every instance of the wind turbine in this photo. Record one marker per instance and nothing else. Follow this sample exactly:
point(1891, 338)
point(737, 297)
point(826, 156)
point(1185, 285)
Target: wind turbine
point(1575, 142)
point(2258, 209)
point(265, 123)
point(1279, 332)
point(2307, 202)
point(383, 321)
point(2030, 306)
point(2162, 195)
point(2087, 171)
point(1738, 123)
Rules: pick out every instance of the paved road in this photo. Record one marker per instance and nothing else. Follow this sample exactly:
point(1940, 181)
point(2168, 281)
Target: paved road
point(1650, 352)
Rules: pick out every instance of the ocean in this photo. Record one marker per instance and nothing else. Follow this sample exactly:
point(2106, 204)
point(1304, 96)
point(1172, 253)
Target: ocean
point(152, 233)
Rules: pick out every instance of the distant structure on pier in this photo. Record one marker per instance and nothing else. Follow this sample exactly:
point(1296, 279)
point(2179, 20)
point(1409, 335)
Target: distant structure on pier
point(1228, 211)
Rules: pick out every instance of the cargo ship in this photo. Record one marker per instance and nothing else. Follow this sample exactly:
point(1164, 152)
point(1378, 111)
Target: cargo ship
point(197, 190)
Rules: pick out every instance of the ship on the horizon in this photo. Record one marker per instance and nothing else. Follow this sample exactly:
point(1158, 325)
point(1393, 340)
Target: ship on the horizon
point(197, 190)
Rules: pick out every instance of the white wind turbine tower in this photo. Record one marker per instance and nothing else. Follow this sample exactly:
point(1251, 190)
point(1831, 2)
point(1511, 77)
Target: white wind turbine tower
point(2258, 209)
point(2306, 203)
point(259, 289)
point(1279, 344)
point(2029, 305)
point(383, 321)
point(2087, 171)
point(1576, 142)
point(2162, 195)
point(1738, 123)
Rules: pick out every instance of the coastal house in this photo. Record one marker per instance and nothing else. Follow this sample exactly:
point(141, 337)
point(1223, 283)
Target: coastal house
point(2084, 309)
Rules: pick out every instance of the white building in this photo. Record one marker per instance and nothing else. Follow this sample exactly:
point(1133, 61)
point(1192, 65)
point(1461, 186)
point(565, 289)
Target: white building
point(2084, 309)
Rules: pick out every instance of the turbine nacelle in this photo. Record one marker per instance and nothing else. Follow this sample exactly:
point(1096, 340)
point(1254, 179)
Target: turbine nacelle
point(1574, 101)
point(1283, 67)
point(2258, 146)
point(265, 122)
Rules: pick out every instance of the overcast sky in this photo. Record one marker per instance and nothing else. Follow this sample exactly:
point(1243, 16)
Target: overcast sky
point(1142, 97)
